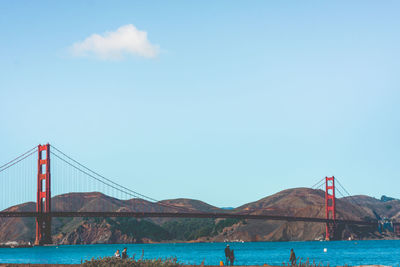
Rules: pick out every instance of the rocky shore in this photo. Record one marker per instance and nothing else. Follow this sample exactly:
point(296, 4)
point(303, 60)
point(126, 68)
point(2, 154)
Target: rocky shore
point(62, 265)
point(14, 244)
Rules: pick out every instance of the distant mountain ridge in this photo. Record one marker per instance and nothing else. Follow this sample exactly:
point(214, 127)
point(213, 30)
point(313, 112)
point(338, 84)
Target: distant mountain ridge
point(386, 198)
point(291, 202)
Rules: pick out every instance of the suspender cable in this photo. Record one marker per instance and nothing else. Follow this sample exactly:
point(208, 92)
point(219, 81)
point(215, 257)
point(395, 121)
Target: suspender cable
point(111, 183)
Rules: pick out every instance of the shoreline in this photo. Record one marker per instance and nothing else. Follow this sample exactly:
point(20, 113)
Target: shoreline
point(66, 265)
point(24, 245)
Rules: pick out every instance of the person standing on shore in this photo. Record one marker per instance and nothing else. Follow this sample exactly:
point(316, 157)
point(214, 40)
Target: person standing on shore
point(227, 255)
point(232, 257)
point(292, 258)
point(124, 254)
point(117, 255)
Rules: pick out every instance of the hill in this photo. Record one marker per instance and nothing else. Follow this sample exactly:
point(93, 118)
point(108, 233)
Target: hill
point(302, 202)
point(292, 202)
point(389, 208)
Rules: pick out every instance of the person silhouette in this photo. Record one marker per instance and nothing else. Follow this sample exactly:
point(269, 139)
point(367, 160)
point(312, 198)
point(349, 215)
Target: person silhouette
point(124, 254)
point(227, 255)
point(292, 258)
point(232, 257)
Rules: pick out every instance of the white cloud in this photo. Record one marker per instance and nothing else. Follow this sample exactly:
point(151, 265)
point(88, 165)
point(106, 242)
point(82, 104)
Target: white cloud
point(126, 40)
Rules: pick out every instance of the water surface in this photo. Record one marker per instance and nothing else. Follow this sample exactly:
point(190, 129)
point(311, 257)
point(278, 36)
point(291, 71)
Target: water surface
point(386, 252)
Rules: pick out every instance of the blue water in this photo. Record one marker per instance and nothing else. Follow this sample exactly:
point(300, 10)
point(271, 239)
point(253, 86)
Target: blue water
point(386, 252)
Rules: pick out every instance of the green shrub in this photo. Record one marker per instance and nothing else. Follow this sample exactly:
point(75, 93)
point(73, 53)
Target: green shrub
point(140, 229)
point(189, 229)
point(112, 261)
point(193, 228)
point(224, 223)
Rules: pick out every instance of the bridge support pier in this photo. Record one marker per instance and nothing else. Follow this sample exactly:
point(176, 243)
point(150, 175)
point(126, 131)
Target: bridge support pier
point(396, 229)
point(330, 207)
point(43, 200)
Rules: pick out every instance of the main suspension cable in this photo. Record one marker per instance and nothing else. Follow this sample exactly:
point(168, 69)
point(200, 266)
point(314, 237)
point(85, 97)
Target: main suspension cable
point(111, 183)
point(77, 168)
point(15, 162)
point(351, 197)
point(318, 183)
point(1, 167)
point(109, 180)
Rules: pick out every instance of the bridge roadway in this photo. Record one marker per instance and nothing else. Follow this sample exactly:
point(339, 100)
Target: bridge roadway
point(184, 215)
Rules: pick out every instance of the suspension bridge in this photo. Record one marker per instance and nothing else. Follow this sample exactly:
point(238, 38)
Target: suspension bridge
point(52, 172)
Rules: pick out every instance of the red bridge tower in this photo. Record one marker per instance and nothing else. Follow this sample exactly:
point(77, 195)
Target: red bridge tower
point(43, 201)
point(330, 206)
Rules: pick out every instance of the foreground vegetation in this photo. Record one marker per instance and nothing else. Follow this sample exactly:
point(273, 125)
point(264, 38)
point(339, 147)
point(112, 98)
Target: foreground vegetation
point(112, 261)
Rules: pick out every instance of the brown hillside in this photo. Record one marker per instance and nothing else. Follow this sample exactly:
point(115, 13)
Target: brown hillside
point(389, 209)
point(302, 202)
point(18, 229)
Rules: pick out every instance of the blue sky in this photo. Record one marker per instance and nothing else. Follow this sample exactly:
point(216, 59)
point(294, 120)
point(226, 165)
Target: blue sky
point(237, 100)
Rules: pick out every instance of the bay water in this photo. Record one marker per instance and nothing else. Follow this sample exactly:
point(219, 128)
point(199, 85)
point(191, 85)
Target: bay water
point(333, 253)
